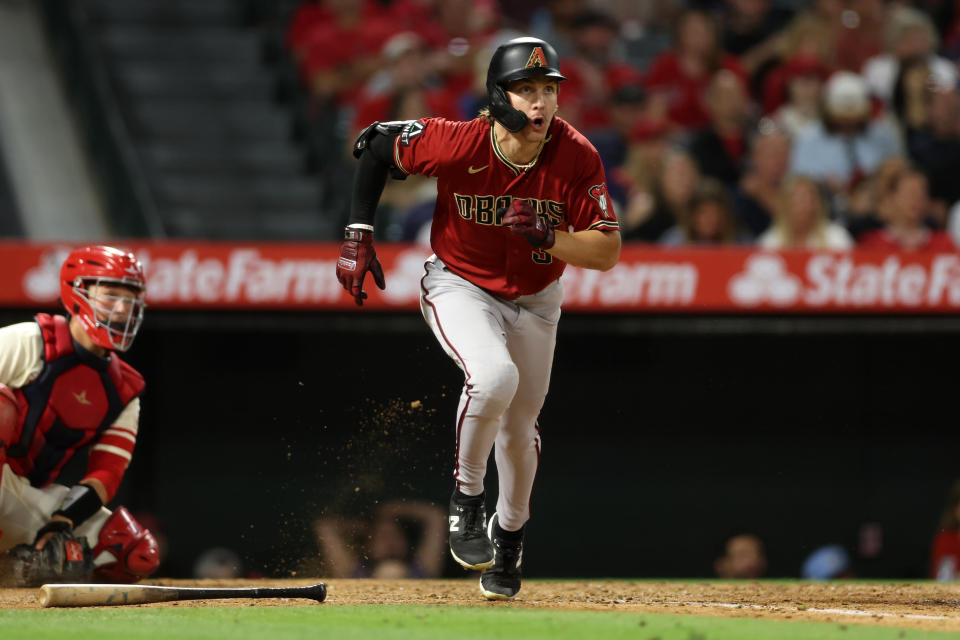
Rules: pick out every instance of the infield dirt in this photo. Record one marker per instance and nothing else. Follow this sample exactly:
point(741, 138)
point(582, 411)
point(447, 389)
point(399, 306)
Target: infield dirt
point(930, 606)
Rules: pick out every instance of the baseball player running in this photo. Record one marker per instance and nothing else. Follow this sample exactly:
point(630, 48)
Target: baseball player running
point(63, 388)
point(521, 194)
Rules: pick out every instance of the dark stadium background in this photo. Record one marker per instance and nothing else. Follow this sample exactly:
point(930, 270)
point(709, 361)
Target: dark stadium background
point(662, 436)
point(657, 445)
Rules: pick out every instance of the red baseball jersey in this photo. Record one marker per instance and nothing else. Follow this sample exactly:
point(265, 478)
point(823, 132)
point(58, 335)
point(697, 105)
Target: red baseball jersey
point(476, 183)
point(74, 402)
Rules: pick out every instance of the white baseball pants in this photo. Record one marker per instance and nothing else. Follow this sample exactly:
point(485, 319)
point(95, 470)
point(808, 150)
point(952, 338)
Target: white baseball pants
point(505, 350)
point(24, 509)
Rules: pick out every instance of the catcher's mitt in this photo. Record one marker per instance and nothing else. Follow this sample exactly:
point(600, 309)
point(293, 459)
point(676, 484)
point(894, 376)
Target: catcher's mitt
point(63, 559)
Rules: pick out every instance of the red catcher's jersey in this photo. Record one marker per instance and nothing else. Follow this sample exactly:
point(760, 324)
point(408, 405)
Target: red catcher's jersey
point(71, 404)
point(475, 181)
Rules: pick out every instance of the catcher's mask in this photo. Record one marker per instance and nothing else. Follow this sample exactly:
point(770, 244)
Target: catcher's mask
point(111, 320)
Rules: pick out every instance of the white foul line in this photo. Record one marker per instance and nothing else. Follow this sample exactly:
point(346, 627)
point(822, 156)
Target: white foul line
point(842, 612)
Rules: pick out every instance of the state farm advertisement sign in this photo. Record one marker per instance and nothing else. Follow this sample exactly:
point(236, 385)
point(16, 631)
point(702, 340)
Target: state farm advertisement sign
point(191, 275)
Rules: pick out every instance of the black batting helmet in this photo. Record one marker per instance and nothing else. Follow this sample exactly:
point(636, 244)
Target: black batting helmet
point(513, 60)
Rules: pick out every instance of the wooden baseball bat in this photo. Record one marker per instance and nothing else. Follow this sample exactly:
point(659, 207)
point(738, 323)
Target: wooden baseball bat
point(102, 595)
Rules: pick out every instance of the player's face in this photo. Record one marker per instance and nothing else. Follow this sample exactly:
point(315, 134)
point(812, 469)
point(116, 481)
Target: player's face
point(115, 304)
point(537, 98)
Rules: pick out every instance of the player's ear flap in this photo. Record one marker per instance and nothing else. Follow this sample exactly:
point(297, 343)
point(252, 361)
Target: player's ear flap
point(504, 112)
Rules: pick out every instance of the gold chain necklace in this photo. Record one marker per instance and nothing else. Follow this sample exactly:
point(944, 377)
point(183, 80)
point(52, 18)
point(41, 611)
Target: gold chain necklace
point(524, 167)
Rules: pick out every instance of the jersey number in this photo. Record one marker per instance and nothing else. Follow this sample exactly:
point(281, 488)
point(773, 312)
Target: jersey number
point(541, 257)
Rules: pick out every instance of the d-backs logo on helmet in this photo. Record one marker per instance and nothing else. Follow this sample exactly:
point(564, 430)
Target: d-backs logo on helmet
point(536, 59)
point(103, 288)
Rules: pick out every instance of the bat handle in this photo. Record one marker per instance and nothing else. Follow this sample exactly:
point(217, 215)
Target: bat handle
point(316, 592)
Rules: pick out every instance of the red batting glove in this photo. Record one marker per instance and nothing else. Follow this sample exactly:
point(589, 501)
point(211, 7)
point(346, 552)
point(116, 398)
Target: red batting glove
point(357, 256)
point(522, 218)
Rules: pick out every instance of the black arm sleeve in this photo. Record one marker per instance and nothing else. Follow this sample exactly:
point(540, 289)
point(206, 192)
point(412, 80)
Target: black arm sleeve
point(370, 178)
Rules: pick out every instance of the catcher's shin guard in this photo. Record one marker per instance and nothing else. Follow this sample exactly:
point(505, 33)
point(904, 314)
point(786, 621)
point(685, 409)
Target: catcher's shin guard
point(126, 551)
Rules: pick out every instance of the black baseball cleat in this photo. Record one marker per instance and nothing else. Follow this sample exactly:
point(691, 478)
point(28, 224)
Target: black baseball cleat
point(469, 544)
point(502, 580)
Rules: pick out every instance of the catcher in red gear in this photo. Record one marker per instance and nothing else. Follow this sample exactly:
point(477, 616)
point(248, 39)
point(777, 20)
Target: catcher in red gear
point(63, 388)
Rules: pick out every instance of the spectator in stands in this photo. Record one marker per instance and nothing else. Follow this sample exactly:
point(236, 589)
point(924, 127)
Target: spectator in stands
point(721, 146)
point(869, 200)
point(910, 98)
point(945, 549)
point(677, 77)
point(806, 48)
point(708, 220)
point(756, 196)
point(406, 86)
point(626, 114)
point(743, 558)
point(655, 206)
point(940, 159)
point(553, 23)
point(849, 144)
point(802, 222)
point(859, 32)
point(931, 127)
point(907, 219)
point(909, 35)
point(593, 71)
point(849, 31)
point(386, 547)
point(813, 31)
point(754, 31)
point(645, 27)
point(337, 44)
point(306, 17)
point(803, 78)
point(456, 31)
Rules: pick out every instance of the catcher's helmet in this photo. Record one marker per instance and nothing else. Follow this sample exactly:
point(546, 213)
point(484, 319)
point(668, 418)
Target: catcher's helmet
point(96, 266)
point(513, 60)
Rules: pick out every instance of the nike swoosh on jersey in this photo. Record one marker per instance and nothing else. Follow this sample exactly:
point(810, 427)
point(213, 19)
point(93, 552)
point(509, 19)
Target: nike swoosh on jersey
point(472, 170)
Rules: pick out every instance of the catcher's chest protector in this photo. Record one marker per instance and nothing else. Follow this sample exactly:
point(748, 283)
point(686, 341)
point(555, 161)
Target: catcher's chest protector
point(76, 396)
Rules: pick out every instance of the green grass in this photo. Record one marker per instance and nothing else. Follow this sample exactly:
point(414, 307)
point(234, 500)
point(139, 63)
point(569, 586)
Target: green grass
point(324, 622)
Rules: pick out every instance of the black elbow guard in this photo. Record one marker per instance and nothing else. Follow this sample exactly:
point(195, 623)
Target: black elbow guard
point(378, 139)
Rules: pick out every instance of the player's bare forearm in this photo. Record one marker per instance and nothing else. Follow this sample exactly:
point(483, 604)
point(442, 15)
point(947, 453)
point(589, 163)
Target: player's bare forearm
point(592, 249)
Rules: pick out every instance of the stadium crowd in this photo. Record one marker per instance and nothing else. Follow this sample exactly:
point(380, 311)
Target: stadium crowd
point(780, 123)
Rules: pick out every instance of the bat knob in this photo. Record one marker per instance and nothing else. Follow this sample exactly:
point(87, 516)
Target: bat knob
point(317, 592)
